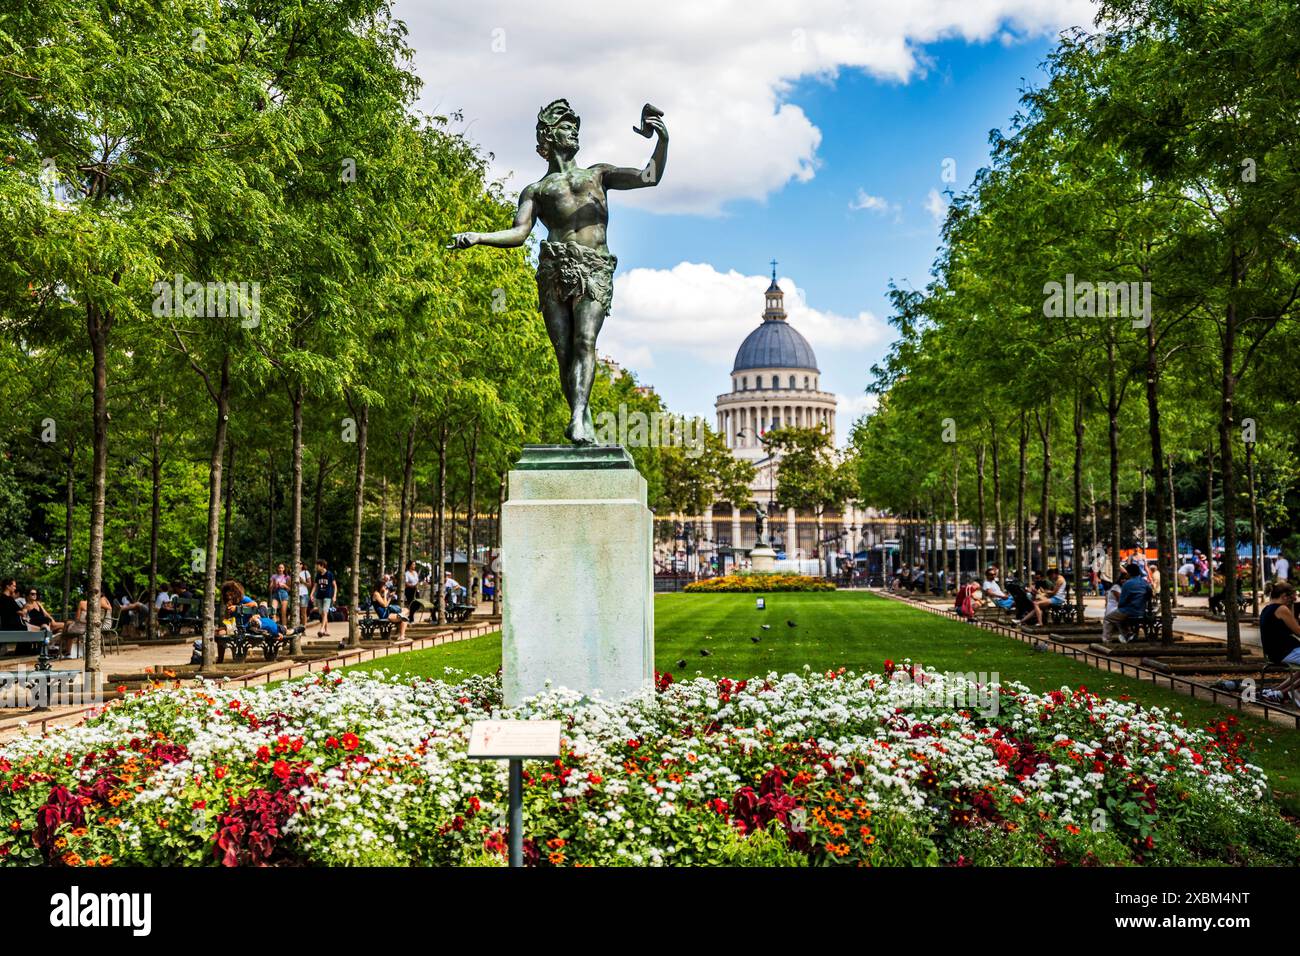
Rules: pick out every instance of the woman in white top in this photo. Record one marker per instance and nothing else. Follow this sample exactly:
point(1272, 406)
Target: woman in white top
point(411, 580)
point(304, 591)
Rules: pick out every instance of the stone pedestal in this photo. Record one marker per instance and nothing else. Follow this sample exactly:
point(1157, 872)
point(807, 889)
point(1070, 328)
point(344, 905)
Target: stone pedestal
point(578, 574)
point(762, 558)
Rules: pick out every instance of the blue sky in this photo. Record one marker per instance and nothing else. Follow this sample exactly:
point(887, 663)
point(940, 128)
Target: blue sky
point(782, 120)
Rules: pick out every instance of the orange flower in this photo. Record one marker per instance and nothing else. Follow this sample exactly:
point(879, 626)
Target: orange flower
point(835, 830)
point(555, 843)
point(557, 859)
point(60, 843)
point(71, 859)
point(105, 860)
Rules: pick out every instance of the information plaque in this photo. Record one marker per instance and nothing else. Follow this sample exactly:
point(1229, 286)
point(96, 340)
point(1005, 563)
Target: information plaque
point(514, 739)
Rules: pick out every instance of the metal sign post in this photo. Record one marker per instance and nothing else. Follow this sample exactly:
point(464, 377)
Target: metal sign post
point(515, 741)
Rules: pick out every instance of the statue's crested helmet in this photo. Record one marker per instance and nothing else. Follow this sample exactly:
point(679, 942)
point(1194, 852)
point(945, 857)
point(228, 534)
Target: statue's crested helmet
point(549, 117)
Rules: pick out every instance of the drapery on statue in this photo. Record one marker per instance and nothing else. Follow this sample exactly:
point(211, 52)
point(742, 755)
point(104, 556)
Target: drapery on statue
point(575, 271)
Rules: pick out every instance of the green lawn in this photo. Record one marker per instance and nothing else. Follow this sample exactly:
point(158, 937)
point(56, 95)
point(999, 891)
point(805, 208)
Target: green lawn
point(860, 631)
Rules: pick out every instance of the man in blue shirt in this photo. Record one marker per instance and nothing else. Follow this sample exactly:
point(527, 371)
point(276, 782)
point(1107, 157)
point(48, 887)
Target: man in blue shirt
point(1134, 595)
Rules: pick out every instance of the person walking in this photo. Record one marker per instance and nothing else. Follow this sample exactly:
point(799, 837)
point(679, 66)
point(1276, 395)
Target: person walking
point(1281, 568)
point(326, 592)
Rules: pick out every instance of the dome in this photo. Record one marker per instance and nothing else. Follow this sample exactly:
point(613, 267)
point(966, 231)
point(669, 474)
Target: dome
point(775, 344)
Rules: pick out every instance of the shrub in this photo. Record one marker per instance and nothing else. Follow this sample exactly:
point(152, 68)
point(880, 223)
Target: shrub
point(758, 583)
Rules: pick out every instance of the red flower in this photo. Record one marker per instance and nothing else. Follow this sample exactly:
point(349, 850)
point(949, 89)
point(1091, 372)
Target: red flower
point(332, 742)
point(281, 770)
point(263, 753)
point(351, 741)
point(594, 779)
point(219, 772)
point(199, 805)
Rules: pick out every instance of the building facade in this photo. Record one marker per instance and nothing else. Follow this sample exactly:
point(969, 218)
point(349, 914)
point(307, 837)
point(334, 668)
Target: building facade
point(775, 382)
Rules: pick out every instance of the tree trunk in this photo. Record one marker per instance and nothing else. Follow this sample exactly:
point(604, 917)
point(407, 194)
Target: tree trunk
point(983, 560)
point(1112, 438)
point(404, 532)
point(440, 516)
point(1045, 527)
point(321, 467)
point(1166, 551)
point(1076, 562)
point(98, 326)
point(213, 542)
point(383, 526)
point(295, 545)
point(1254, 529)
point(1022, 522)
point(270, 508)
point(957, 541)
point(999, 526)
point(1209, 521)
point(69, 505)
point(155, 520)
point(1173, 523)
point(498, 576)
point(230, 497)
point(1227, 418)
point(358, 513)
point(470, 519)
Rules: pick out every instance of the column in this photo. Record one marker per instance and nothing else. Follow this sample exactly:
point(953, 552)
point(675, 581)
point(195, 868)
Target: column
point(735, 528)
point(791, 533)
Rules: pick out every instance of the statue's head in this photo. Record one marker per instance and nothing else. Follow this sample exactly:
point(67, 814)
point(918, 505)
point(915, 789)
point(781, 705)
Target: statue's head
point(557, 129)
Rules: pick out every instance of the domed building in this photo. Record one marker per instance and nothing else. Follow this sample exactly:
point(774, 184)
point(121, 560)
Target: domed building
point(775, 382)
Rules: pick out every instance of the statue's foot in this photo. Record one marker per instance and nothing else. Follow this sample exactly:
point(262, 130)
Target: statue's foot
point(580, 430)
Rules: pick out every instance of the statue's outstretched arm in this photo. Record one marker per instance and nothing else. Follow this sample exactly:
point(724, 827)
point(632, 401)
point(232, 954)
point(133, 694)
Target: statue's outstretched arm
point(516, 235)
point(624, 177)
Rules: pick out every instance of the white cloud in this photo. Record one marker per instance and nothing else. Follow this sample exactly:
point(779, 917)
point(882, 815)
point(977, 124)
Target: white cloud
point(865, 201)
point(698, 312)
point(936, 205)
point(849, 410)
point(722, 72)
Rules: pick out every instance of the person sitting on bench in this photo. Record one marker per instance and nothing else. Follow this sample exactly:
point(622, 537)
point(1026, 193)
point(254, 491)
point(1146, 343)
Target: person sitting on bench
point(994, 592)
point(36, 615)
point(1278, 632)
point(1051, 595)
point(235, 604)
point(264, 622)
point(1134, 595)
point(387, 608)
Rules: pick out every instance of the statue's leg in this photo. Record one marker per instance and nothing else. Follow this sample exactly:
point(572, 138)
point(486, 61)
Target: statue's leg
point(588, 317)
point(558, 317)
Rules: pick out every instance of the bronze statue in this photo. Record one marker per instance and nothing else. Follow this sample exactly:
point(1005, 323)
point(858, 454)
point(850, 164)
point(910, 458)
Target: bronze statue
point(575, 271)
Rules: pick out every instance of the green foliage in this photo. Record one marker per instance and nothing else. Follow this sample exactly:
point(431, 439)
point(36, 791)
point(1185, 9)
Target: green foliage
point(768, 847)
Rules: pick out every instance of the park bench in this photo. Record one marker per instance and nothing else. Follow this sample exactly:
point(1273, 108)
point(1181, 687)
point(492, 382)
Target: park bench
point(373, 626)
point(1150, 624)
point(182, 615)
point(457, 610)
point(40, 680)
point(1065, 613)
point(39, 640)
point(244, 638)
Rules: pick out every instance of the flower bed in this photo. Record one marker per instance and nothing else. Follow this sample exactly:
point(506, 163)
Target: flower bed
point(795, 769)
point(744, 583)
